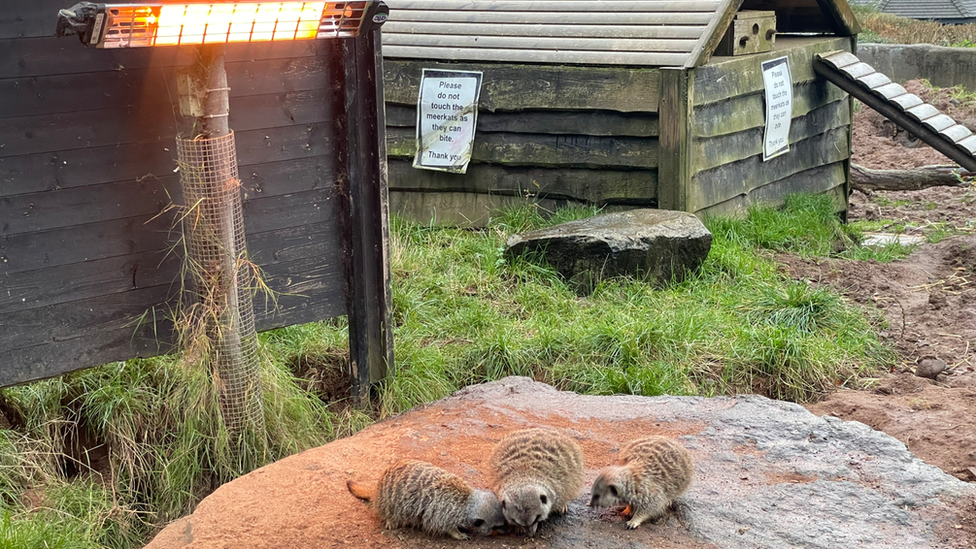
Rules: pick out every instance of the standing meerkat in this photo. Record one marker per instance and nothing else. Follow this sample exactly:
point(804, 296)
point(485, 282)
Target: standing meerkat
point(652, 472)
point(417, 494)
point(536, 472)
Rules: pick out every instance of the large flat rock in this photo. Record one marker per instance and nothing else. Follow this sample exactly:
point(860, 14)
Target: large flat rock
point(769, 474)
point(655, 245)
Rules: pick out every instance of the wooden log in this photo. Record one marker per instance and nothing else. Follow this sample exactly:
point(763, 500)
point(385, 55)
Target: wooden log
point(517, 87)
point(868, 180)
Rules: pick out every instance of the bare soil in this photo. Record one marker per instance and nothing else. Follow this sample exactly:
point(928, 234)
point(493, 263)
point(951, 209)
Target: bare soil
point(927, 299)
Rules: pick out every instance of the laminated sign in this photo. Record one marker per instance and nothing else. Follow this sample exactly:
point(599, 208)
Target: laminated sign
point(779, 107)
point(447, 111)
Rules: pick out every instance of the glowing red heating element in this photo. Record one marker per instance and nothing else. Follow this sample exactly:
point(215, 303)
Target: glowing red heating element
point(142, 25)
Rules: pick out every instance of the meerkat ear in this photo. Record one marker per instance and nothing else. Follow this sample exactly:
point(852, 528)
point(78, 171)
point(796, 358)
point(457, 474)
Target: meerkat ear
point(543, 499)
point(613, 490)
point(478, 523)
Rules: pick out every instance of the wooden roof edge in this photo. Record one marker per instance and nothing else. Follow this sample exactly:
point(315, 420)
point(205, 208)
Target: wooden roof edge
point(839, 12)
point(713, 33)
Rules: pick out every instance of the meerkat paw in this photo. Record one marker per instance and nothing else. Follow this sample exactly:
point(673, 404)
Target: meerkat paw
point(457, 534)
point(562, 510)
point(637, 520)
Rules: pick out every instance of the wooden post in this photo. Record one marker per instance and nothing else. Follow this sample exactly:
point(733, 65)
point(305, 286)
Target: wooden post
point(676, 117)
point(217, 243)
point(368, 269)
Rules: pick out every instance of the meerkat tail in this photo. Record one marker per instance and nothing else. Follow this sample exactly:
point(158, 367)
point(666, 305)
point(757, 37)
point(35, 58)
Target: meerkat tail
point(359, 490)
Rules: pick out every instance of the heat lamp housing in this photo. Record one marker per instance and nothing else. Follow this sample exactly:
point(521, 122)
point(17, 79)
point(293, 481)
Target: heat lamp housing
point(112, 26)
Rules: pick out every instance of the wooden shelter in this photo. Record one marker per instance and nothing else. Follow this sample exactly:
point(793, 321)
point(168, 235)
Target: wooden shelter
point(652, 103)
point(90, 252)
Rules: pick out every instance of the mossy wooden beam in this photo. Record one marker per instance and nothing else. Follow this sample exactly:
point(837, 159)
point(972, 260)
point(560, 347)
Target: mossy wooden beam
point(735, 76)
point(827, 179)
point(748, 111)
point(677, 118)
point(635, 187)
point(717, 151)
point(512, 87)
point(517, 149)
point(741, 178)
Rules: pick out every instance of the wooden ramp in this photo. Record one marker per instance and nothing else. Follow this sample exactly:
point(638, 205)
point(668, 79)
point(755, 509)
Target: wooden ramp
point(921, 119)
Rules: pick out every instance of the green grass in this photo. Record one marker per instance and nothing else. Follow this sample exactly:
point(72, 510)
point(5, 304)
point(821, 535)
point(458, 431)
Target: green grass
point(463, 314)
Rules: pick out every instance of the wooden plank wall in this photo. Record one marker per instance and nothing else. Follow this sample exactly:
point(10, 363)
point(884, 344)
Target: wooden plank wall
point(555, 134)
point(87, 158)
point(726, 148)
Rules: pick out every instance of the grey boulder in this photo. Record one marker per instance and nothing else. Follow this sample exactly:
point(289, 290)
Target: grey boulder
point(654, 245)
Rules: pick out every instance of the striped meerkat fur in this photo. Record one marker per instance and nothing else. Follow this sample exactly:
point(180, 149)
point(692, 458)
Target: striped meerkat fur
point(536, 472)
point(419, 495)
point(651, 473)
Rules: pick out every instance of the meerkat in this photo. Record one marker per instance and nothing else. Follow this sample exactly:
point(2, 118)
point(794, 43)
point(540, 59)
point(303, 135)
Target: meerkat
point(419, 495)
point(651, 473)
point(536, 472)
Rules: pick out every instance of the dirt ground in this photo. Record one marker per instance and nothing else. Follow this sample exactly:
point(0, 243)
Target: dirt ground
point(928, 299)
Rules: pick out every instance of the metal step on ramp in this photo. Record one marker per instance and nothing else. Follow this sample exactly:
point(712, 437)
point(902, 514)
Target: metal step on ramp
point(907, 110)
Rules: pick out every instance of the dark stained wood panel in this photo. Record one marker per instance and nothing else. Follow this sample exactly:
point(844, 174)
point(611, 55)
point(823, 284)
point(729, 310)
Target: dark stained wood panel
point(51, 56)
point(58, 93)
point(87, 165)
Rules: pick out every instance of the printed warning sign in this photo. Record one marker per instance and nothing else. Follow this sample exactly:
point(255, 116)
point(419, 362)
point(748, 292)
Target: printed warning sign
point(779, 107)
point(447, 113)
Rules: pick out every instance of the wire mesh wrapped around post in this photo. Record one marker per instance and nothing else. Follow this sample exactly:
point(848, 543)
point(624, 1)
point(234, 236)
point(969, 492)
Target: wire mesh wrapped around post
point(214, 231)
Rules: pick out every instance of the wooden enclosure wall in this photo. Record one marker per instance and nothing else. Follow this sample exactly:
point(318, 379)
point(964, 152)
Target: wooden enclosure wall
point(724, 144)
point(87, 158)
point(557, 134)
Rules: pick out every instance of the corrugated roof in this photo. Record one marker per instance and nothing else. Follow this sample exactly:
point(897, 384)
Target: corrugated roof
point(930, 9)
point(636, 32)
